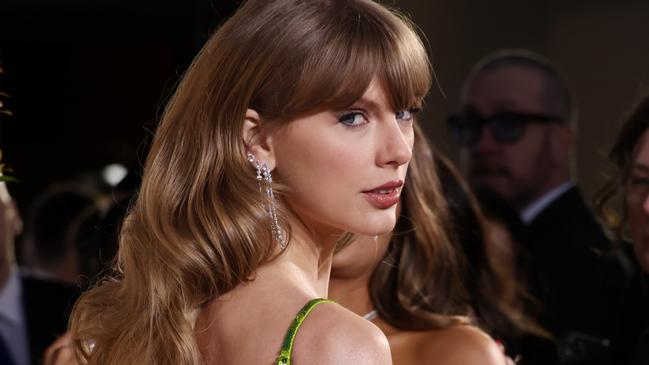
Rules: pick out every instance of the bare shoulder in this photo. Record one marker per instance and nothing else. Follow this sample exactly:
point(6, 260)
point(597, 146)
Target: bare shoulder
point(334, 335)
point(461, 345)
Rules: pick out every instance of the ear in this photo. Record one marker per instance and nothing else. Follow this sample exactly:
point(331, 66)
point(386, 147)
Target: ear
point(256, 140)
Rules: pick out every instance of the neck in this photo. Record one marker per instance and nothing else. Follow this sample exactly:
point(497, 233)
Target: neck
point(308, 258)
point(352, 294)
point(349, 284)
point(353, 268)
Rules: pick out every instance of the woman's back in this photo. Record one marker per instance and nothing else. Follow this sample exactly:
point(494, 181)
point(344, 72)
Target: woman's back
point(249, 326)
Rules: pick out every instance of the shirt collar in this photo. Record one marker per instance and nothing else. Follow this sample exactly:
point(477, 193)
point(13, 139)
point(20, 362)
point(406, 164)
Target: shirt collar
point(533, 210)
point(11, 309)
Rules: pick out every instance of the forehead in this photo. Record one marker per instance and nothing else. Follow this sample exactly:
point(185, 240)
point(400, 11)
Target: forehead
point(375, 96)
point(508, 89)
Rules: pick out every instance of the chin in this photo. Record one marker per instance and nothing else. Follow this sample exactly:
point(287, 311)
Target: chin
point(490, 181)
point(497, 184)
point(377, 223)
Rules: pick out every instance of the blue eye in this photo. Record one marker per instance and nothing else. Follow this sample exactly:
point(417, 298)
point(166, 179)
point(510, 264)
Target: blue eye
point(406, 115)
point(353, 119)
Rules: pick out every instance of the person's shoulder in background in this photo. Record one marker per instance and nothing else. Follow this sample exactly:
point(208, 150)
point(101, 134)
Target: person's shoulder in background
point(461, 345)
point(47, 305)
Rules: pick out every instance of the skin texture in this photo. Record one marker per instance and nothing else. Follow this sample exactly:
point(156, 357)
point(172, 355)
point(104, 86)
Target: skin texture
point(525, 170)
point(460, 344)
point(326, 166)
point(637, 202)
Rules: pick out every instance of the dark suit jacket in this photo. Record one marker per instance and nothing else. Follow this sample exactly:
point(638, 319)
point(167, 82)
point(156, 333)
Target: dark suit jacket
point(635, 316)
point(578, 285)
point(641, 353)
point(47, 308)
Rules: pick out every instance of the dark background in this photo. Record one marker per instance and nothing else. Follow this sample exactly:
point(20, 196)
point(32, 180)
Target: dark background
point(88, 79)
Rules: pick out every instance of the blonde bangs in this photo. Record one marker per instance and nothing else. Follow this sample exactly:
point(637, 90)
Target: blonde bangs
point(360, 47)
point(406, 68)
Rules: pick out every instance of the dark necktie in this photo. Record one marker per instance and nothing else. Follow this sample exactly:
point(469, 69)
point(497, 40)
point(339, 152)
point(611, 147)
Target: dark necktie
point(5, 355)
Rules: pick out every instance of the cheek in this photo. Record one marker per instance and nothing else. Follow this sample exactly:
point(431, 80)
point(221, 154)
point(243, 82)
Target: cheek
point(321, 173)
point(635, 217)
point(327, 163)
point(525, 156)
point(465, 160)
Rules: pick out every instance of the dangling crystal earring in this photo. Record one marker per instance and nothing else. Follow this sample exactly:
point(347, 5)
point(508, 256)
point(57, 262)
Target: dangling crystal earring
point(263, 174)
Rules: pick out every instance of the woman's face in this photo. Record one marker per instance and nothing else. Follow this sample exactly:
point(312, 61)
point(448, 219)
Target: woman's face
point(637, 202)
point(346, 168)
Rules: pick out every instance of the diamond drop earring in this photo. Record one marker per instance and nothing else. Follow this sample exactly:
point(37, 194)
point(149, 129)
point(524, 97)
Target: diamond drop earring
point(264, 175)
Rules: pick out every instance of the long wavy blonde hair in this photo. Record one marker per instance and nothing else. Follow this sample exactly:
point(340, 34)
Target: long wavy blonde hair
point(500, 303)
point(622, 154)
point(417, 286)
point(198, 227)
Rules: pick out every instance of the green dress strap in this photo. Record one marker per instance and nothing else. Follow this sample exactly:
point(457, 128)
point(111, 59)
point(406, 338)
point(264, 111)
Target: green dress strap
point(287, 346)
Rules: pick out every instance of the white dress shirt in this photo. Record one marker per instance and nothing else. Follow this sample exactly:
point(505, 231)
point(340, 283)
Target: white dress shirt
point(533, 210)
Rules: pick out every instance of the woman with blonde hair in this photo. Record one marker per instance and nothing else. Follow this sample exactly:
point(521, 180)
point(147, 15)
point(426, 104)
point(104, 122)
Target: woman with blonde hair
point(624, 204)
point(293, 125)
point(409, 282)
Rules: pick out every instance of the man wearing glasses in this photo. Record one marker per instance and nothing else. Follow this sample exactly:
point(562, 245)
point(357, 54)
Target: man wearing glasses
point(516, 133)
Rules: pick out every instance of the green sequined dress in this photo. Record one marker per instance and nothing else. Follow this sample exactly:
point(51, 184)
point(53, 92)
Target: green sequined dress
point(287, 346)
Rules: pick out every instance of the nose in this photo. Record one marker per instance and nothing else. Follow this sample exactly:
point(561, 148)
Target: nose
point(486, 142)
point(645, 204)
point(395, 144)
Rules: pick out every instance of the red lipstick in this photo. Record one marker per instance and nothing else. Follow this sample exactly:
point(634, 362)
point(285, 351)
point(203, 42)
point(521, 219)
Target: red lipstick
point(384, 196)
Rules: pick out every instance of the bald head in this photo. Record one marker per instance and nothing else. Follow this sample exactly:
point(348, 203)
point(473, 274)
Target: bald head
point(553, 94)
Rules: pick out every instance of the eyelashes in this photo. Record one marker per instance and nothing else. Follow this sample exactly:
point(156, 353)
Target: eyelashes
point(408, 114)
point(357, 118)
point(353, 119)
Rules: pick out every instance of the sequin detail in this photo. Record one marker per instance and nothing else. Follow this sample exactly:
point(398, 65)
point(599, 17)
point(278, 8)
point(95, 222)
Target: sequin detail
point(287, 346)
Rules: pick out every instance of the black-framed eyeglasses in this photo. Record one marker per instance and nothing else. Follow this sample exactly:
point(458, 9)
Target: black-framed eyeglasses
point(506, 128)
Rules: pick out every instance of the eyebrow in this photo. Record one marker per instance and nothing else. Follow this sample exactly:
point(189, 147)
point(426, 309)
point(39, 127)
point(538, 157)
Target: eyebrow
point(367, 103)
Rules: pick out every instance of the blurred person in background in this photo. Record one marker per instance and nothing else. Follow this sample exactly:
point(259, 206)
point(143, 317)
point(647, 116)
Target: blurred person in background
point(485, 231)
point(47, 249)
point(33, 311)
point(630, 155)
point(516, 133)
point(71, 227)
